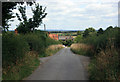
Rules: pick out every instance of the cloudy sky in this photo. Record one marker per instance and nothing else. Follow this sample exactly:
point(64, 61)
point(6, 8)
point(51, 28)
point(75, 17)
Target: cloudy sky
point(76, 14)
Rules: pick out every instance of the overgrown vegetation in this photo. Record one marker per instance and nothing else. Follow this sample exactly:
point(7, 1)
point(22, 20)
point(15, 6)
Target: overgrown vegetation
point(21, 51)
point(82, 49)
point(22, 68)
point(52, 49)
point(67, 42)
point(105, 58)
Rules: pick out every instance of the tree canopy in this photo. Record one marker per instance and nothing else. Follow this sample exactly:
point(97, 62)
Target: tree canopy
point(88, 31)
point(7, 13)
point(100, 31)
point(30, 24)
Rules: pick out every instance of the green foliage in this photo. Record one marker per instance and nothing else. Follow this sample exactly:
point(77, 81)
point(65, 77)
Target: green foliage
point(79, 38)
point(105, 66)
point(30, 24)
point(36, 42)
point(100, 31)
point(7, 13)
point(79, 32)
point(38, 15)
point(50, 41)
point(39, 41)
point(100, 42)
point(105, 59)
point(23, 68)
point(14, 48)
point(67, 42)
point(88, 32)
point(18, 59)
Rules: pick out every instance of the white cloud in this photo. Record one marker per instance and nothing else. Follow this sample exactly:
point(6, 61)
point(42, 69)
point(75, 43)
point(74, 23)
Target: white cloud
point(71, 14)
point(77, 15)
point(111, 14)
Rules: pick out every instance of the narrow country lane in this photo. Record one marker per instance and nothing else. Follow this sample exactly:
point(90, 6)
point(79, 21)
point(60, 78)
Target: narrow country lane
point(64, 65)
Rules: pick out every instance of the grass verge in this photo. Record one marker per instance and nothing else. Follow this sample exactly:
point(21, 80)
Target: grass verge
point(105, 65)
point(23, 68)
point(52, 49)
point(82, 49)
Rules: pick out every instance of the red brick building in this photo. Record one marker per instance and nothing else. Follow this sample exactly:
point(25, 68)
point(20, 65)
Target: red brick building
point(53, 36)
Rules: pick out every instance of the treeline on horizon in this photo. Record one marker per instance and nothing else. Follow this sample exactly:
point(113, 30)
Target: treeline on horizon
point(65, 31)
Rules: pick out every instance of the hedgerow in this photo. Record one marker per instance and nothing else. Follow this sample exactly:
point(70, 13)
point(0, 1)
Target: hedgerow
point(105, 59)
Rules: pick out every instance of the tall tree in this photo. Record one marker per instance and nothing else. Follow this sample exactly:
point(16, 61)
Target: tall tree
point(38, 15)
point(88, 31)
point(30, 24)
point(79, 32)
point(7, 13)
point(100, 31)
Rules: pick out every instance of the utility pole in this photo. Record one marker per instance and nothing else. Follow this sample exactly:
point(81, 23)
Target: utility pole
point(1, 41)
point(119, 14)
point(1, 17)
point(44, 27)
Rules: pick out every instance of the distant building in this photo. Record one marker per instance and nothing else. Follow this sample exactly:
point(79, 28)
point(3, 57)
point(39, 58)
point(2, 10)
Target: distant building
point(65, 38)
point(53, 36)
point(56, 37)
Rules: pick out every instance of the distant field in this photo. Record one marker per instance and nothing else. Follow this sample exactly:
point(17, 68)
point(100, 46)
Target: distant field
point(65, 33)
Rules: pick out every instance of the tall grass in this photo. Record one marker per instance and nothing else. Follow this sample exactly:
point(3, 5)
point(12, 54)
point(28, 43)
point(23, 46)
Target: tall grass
point(52, 49)
point(105, 66)
point(82, 49)
point(105, 59)
point(23, 67)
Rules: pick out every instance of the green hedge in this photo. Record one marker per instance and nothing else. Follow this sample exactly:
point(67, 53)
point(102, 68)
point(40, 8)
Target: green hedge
point(105, 60)
point(36, 42)
point(14, 48)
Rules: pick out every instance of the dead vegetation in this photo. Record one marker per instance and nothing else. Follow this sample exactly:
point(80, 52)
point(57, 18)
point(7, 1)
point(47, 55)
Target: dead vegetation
point(82, 49)
point(52, 49)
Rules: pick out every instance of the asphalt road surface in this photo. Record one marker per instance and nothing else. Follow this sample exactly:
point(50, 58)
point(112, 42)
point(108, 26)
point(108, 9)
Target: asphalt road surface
point(64, 65)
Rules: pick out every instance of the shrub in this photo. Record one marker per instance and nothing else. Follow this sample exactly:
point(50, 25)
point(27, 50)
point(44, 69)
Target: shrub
point(18, 60)
point(36, 42)
point(66, 42)
point(14, 48)
point(78, 39)
point(50, 41)
point(106, 65)
point(23, 68)
point(39, 41)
